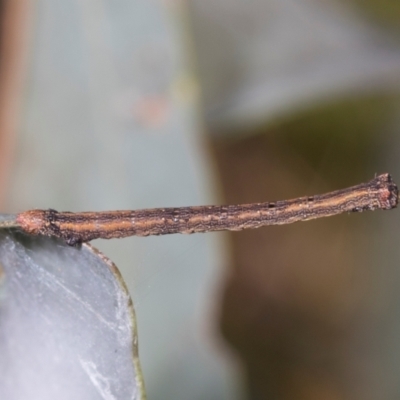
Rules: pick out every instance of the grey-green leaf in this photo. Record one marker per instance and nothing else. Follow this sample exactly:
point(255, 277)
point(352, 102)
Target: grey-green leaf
point(67, 325)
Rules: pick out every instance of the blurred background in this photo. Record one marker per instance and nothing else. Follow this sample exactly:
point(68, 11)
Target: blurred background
point(155, 103)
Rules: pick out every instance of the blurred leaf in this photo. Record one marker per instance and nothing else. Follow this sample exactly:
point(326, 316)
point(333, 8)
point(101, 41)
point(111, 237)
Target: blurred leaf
point(67, 324)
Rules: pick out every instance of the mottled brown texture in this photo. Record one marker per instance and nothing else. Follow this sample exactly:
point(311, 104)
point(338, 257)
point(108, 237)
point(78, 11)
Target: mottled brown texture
point(379, 193)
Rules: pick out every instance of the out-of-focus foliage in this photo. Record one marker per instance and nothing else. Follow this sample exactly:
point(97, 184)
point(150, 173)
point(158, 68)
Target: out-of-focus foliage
point(385, 11)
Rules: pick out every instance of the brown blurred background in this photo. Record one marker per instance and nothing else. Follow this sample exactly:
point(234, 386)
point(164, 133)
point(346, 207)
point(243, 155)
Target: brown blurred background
point(311, 308)
point(302, 303)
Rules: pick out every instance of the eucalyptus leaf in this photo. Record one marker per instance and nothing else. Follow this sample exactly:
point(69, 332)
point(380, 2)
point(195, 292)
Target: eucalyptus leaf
point(67, 324)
